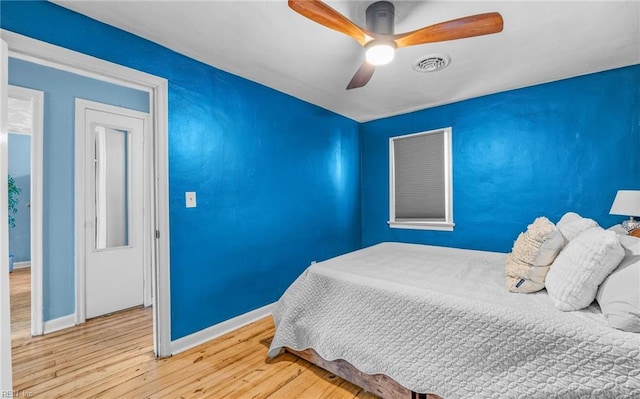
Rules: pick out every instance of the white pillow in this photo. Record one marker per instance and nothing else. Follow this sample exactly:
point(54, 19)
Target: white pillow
point(572, 224)
point(619, 294)
point(567, 218)
point(618, 229)
point(581, 267)
point(532, 253)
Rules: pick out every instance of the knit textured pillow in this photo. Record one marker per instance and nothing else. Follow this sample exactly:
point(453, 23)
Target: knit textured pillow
point(581, 267)
point(531, 256)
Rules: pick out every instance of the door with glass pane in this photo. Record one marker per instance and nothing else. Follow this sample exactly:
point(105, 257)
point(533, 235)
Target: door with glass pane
point(114, 212)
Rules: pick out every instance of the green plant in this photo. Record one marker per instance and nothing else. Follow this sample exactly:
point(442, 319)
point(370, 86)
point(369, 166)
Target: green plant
point(14, 192)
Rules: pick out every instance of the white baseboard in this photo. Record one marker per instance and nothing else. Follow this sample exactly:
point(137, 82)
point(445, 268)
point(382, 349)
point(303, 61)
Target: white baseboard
point(22, 265)
point(59, 324)
point(202, 336)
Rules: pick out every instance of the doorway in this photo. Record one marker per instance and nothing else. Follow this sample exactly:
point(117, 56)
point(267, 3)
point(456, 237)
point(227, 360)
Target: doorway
point(63, 178)
point(26, 48)
point(24, 125)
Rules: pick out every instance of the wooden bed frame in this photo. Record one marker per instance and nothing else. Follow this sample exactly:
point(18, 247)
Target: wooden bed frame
point(378, 384)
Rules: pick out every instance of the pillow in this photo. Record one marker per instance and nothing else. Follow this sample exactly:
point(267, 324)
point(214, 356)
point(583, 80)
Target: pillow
point(618, 229)
point(566, 219)
point(523, 277)
point(532, 253)
point(619, 294)
point(572, 224)
point(581, 267)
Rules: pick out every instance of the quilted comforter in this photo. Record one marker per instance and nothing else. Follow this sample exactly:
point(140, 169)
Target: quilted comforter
point(440, 320)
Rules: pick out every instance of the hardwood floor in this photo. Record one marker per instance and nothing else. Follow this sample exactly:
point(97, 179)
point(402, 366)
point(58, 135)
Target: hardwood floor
point(112, 357)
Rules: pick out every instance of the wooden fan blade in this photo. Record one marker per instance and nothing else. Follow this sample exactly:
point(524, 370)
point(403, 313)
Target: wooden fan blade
point(362, 76)
point(321, 13)
point(473, 25)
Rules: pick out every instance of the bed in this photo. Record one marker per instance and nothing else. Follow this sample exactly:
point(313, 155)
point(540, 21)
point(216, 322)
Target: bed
point(420, 321)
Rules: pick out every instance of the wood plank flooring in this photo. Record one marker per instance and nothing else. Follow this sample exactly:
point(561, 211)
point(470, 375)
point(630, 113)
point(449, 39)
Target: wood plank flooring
point(112, 357)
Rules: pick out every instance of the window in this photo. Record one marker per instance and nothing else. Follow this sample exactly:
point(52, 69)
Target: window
point(20, 110)
point(420, 181)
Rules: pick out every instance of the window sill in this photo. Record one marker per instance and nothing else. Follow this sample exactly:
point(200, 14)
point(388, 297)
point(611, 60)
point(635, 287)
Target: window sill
point(418, 225)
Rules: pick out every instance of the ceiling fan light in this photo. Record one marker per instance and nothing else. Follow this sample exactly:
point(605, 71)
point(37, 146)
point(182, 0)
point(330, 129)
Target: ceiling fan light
point(380, 53)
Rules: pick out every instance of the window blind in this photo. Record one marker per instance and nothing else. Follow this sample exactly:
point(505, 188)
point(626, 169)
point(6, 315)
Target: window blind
point(419, 177)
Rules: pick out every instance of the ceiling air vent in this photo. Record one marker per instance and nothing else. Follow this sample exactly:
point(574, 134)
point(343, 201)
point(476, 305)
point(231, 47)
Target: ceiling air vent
point(432, 63)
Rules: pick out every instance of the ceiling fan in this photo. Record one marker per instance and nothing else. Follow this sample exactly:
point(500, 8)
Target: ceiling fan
point(379, 39)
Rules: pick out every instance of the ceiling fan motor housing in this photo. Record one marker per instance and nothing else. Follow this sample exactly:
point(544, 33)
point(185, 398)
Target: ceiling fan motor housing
point(380, 17)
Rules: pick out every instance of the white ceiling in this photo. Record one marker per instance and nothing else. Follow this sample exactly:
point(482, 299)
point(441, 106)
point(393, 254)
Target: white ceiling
point(267, 42)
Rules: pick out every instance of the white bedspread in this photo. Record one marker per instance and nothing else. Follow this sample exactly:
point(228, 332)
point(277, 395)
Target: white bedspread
point(441, 320)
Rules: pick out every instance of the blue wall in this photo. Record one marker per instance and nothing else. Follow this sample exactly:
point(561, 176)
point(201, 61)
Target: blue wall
point(277, 179)
point(543, 150)
point(277, 187)
point(20, 170)
point(60, 91)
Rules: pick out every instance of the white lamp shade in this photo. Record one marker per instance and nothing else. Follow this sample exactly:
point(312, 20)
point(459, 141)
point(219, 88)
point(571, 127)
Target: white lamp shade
point(627, 203)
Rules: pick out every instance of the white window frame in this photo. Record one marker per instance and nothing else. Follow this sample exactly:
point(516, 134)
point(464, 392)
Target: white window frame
point(424, 224)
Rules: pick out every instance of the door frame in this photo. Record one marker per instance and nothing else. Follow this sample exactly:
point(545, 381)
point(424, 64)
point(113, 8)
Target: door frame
point(35, 209)
point(81, 197)
point(6, 384)
point(32, 50)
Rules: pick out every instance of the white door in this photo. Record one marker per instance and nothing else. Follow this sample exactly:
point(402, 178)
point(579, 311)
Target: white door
point(114, 184)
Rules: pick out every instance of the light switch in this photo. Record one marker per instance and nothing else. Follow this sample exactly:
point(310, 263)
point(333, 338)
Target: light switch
point(190, 197)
